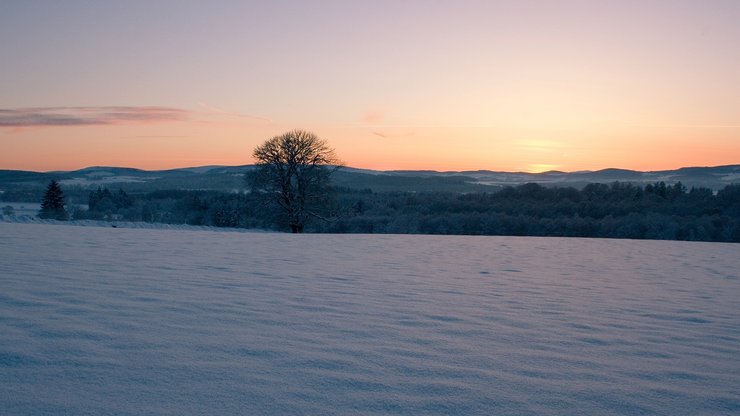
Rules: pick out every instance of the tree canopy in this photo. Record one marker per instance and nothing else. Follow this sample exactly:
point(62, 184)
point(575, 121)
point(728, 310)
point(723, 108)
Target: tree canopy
point(293, 171)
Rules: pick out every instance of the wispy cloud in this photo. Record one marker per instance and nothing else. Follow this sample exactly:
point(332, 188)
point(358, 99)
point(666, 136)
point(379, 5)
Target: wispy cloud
point(88, 116)
point(391, 135)
point(421, 126)
point(697, 126)
point(542, 145)
point(372, 117)
point(161, 136)
point(711, 126)
point(211, 110)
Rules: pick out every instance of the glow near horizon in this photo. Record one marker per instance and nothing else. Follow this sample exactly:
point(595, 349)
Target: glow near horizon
point(528, 86)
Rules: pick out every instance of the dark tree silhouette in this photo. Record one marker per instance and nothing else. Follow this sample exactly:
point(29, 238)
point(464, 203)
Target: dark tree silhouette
point(293, 172)
point(52, 206)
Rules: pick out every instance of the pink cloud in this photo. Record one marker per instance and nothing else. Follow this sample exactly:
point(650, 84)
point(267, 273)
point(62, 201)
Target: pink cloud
point(392, 135)
point(215, 111)
point(372, 117)
point(20, 118)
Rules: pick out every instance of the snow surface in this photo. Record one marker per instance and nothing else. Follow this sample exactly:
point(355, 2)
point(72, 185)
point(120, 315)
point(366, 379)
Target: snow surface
point(20, 209)
point(33, 219)
point(113, 321)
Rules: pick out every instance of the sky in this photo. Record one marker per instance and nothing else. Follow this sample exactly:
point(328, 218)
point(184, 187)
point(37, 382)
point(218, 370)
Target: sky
point(444, 85)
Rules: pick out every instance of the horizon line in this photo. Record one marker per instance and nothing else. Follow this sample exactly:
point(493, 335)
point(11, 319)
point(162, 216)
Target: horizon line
point(375, 170)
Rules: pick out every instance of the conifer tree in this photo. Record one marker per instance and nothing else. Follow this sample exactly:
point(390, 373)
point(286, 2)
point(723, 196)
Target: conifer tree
point(52, 206)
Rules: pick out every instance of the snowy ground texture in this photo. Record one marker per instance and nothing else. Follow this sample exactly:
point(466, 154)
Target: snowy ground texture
point(115, 321)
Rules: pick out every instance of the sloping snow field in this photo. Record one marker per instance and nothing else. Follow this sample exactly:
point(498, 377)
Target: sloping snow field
point(109, 321)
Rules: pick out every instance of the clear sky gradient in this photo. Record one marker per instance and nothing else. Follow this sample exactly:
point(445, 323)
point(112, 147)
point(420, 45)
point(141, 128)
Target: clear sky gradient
point(445, 85)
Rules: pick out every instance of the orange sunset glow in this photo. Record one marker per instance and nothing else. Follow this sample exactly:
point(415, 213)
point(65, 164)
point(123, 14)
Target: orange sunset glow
point(510, 86)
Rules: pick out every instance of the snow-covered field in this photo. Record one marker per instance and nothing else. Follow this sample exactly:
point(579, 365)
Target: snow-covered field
point(27, 209)
point(111, 321)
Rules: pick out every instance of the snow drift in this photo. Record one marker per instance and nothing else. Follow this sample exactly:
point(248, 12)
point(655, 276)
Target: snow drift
point(167, 322)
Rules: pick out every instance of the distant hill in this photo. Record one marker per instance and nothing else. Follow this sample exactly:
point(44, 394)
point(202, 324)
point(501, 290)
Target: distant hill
point(231, 179)
point(710, 177)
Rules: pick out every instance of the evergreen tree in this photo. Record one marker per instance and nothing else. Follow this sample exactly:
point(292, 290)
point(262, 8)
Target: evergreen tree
point(96, 197)
point(52, 206)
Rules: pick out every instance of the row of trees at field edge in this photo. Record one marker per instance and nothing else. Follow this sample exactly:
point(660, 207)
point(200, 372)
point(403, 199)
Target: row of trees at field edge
point(290, 189)
point(618, 210)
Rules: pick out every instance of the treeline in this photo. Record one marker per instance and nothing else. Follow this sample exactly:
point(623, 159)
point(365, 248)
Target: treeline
point(618, 210)
point(211, 208)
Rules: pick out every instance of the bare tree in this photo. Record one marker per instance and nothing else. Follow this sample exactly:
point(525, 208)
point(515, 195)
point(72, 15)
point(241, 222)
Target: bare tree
point(293, 171)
